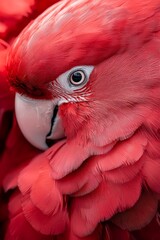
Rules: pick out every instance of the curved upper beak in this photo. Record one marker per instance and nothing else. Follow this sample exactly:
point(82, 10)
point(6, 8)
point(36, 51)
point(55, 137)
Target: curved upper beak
point(39, 121)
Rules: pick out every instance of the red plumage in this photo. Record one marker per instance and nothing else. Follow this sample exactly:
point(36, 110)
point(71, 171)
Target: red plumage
point(102, 180)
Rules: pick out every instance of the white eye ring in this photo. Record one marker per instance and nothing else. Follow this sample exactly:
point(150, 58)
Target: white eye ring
point(77, 77)
point(68, 84)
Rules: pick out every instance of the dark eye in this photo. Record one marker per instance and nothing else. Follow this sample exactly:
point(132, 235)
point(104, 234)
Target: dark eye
point(77, 78)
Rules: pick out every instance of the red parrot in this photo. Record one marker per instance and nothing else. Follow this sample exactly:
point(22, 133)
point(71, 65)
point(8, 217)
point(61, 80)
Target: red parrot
point(86, 76)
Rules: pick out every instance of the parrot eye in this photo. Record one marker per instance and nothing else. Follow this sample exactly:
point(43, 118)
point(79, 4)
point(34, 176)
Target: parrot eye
point(76, 78)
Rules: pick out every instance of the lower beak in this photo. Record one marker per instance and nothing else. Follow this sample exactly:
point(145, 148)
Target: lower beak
point(39, 121)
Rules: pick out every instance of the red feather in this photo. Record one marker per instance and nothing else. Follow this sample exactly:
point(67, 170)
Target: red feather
point(107, 169)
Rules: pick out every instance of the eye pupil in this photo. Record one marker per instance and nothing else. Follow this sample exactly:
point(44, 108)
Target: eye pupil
point(77, 77)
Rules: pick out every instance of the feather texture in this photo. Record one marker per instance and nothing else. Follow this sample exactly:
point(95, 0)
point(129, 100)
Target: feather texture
point(105, 174)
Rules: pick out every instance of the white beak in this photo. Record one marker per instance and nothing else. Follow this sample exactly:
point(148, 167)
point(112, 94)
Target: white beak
point(38, 120)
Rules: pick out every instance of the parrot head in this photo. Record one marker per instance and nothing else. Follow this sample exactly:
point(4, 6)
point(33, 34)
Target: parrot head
point(87, 70)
